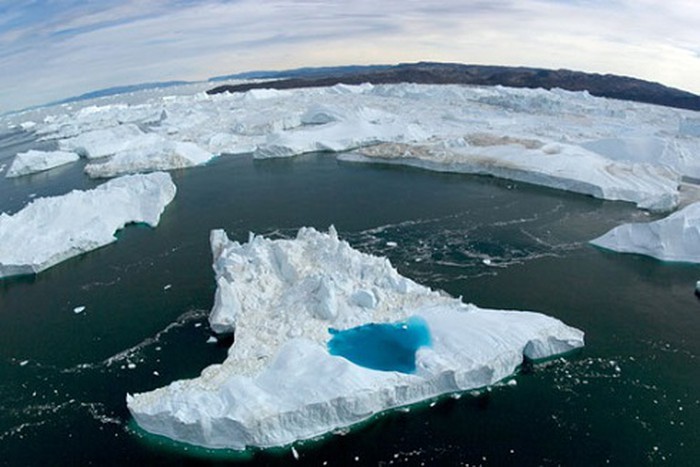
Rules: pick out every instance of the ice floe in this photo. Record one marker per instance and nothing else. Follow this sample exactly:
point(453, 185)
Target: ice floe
point(280, 383)
point(673, 238)
point(33, 161)
point(50, 230)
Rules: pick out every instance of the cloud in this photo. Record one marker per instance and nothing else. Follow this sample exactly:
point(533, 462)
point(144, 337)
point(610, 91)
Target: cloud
point(56, 48)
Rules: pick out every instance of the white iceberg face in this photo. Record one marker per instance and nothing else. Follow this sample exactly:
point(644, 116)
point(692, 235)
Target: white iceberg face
point(554, 165)
point(674, 238)
point(50, 230)
point(30, 162)
point(280, 384)
point(159, 155)
point(105, 142)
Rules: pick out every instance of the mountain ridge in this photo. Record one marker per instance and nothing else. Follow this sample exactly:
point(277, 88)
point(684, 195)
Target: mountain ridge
point(601, 85)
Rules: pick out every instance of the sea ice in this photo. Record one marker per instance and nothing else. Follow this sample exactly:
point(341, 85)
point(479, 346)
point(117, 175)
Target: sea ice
point(280, 383)
point(567, 140)
point(674, 238)
point(50, 230)
point(33, 161)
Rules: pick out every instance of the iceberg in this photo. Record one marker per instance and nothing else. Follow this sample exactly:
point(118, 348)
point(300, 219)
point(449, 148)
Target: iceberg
point(544, 163)
point(33, 161)
point(105, 142)
point(161, 155)
point(50, 230)
point(284, 381)
point(673, 238)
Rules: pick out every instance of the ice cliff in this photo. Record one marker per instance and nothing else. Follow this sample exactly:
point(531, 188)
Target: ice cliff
point(50, 230)
point(280, 384)
point(674, 238)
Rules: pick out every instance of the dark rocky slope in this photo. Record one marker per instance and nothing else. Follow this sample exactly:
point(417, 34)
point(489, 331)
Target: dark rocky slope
point(613, 86)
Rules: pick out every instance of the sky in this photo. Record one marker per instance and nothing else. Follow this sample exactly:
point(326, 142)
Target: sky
point(53, 49)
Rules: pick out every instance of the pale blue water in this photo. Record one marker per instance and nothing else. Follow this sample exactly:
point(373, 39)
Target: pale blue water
point(382, 346)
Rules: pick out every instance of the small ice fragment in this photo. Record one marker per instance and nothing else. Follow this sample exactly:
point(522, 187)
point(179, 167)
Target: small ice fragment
point(131, 366)
point(295, 453)
point(167, 287)
point(212, 340)
point(78, 309)
point(486, 261)
point(697, 288)
point(23, 362)
point(197, 325)
point(392, 244)
point(512, 382)
point(155, 373)
point(433, 404)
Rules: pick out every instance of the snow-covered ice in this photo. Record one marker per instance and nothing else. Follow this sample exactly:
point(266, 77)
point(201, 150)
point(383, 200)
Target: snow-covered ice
point(50, 230)
point(673, 238)
point(568, 140)
point(280, 384)
point(161, 155)
point(33, 161)
point(555, 165)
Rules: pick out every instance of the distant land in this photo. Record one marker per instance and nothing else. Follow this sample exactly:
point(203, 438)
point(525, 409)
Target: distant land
point(120, 90)
point(612, 86)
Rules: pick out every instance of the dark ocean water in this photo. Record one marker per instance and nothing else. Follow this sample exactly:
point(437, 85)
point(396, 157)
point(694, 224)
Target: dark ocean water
point(631, 397)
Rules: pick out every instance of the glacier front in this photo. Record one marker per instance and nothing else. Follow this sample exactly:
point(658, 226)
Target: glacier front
point(673, 238)
point(50, 230)
point(280, 383)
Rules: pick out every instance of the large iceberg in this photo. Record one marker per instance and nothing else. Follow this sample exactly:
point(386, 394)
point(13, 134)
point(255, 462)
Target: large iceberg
point(674, 238)
point(33, 161)
point(555, 165)
point(50, 230)
point(280, 383)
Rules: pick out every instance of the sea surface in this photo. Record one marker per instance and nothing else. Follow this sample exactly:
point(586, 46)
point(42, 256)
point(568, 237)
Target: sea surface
point(630, 397)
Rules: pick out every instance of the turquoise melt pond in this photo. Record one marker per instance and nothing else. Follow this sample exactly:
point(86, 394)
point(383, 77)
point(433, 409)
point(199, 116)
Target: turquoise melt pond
point(384, 347)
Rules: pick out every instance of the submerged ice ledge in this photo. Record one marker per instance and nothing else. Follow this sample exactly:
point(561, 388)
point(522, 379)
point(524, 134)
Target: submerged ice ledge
point(50, 230)
point(280, 383)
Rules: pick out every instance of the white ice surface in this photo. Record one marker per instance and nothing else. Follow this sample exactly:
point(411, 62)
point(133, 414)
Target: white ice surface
point(32, 161)
point(279, 384)
point(160, 155)
point(673, 238)
point(555, 165)
point(50, 230)
point(612, 149)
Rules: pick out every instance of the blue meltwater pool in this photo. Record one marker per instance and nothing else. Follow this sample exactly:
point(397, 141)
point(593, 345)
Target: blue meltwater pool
point(385, 347)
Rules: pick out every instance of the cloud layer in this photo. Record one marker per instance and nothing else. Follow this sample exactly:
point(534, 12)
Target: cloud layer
point(51, 49)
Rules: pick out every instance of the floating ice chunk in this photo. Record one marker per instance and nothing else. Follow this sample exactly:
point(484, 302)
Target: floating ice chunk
point(33, 161)
point(280, 384)
point(105, 142)
point(674, 238)
point(79, 309)
point(50, 230)
point(158, 155)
